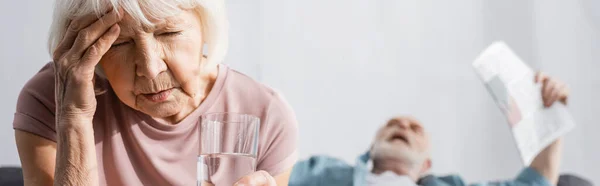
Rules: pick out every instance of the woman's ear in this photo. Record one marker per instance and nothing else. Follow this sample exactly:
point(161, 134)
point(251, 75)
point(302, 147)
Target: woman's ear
point(99, 76)
point(99, 71)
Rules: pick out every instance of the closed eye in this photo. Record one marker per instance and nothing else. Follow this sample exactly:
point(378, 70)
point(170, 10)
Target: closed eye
point(416, 128)
point(114, 45)
point(170, 33)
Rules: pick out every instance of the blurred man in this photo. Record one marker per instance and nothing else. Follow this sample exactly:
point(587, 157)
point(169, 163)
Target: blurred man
point(400, 155)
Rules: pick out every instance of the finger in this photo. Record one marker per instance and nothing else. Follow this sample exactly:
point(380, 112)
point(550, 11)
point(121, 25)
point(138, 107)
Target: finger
point(554, 95)
point(74, 26)
point(95, 52)
point(88, 36)
point(563, 93)
point(547, 87)
point(540, 76)
point(260, 178)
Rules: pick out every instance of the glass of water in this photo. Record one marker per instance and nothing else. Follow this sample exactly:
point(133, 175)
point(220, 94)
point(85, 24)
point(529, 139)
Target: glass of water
point(228, 147)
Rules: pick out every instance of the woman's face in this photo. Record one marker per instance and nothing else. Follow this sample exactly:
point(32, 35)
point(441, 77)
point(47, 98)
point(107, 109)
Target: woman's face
point(159, 71)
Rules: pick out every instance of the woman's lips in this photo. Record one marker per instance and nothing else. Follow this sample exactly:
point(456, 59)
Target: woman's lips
point(159, 96)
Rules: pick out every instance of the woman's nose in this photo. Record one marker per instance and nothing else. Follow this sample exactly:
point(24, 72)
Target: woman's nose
point(150, 62)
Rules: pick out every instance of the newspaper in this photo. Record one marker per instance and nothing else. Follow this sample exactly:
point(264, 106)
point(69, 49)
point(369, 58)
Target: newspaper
point(511, 83)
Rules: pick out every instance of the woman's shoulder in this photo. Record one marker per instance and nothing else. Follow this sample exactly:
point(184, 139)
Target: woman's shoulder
point(38, 90)
point(278, 129)
point(44, 78)
point(247, 87)
point(35, 108)
point(244, 94)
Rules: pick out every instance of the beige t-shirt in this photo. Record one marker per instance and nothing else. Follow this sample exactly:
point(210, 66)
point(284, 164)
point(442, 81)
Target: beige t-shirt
point(134, 149)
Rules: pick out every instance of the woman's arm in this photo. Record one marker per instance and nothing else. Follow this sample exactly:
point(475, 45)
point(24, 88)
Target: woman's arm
point(284, 178)
point(72, 159)
point(76, 159)
point(38, 156)
point(76, 154)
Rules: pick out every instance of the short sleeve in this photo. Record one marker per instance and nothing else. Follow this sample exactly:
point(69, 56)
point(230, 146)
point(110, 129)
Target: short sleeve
point(279, 136)
point(530, 176)
point(527, 177)
point(322, 170)
point(35, 105)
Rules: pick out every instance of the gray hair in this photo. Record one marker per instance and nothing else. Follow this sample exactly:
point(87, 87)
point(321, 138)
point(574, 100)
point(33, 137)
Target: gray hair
point(212, 13)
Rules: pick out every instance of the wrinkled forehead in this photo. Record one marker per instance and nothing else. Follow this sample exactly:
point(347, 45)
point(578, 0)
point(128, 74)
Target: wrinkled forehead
point(403, 120)
point(141, 13)
point(179, 21)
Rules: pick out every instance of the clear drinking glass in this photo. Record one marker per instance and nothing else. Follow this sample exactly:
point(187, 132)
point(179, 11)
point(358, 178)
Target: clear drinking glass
point(228, 147)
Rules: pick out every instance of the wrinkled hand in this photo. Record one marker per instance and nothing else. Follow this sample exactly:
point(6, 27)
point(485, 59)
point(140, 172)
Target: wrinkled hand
point(259, 178)
point(552, 89)
point(86, 40)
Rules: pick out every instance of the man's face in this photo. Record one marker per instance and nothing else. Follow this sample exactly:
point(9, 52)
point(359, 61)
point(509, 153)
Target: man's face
point(402, 141)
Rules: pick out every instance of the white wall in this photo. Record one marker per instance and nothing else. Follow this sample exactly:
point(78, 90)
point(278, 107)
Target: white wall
point(346, 66)
point(568, 45)
point(23, 52)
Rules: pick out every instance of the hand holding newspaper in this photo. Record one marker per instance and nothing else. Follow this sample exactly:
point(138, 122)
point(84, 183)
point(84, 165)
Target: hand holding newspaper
point(511, 83)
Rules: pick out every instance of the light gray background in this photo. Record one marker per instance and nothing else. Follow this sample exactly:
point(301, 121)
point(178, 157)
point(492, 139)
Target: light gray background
point(346, 66)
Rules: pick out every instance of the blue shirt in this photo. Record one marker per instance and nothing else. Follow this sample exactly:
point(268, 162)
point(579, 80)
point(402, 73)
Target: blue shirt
point(323, 170)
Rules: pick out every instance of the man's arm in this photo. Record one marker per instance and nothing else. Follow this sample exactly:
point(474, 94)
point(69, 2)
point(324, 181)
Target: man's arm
point(547, 162)
point(544, 169)
point(322, 170)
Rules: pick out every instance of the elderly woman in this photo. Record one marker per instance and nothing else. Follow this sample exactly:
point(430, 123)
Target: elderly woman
point(120, 103)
